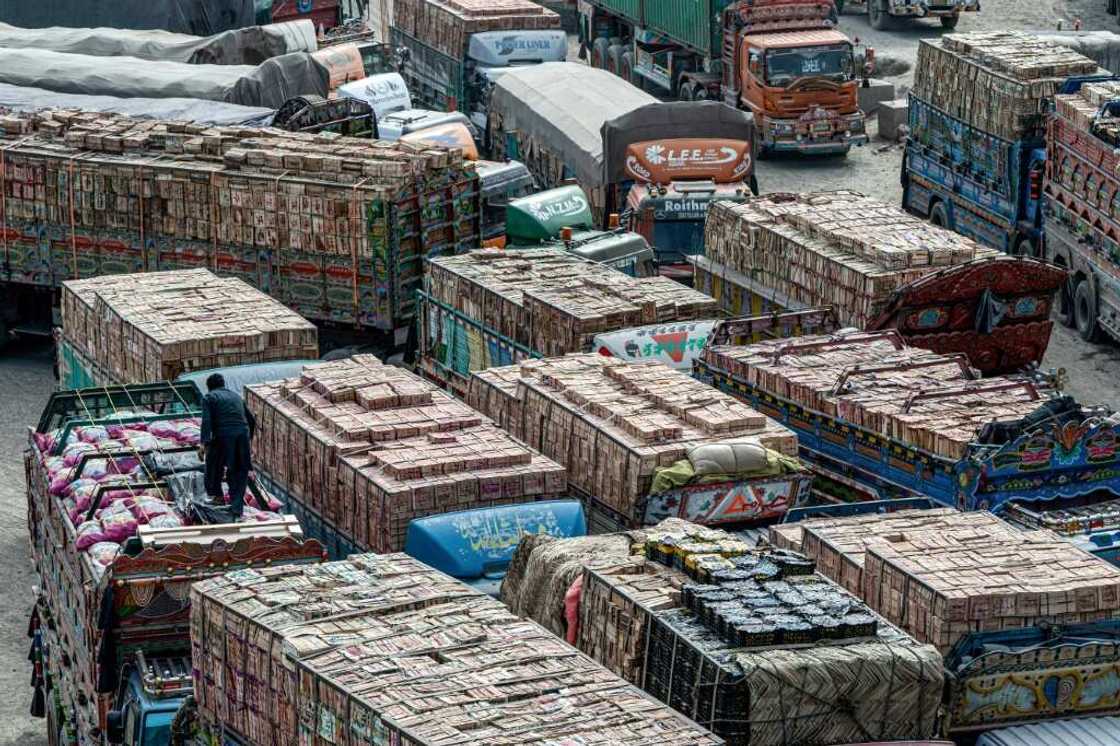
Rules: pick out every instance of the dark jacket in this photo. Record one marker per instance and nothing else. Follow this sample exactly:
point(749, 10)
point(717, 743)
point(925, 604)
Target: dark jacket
point(224, 415)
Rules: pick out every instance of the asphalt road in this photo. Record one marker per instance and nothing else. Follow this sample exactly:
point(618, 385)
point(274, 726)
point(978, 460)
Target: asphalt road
point(26, 379)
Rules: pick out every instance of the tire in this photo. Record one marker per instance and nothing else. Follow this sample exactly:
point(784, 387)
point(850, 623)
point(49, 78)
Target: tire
point(614, 59)
point(938, 215)
point(1065, 307)
point(950, 22)
point(599, 51)
point(1024, 247)
point(1085, 310)
point(880, 19)
point(626, 68)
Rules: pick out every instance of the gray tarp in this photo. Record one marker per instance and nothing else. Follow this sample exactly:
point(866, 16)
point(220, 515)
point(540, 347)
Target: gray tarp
point(247, 46)
point(665, 121)
point(268, 84)
point(1103, 47)
point(566, 105)
point(179, 109)
point(198, 17)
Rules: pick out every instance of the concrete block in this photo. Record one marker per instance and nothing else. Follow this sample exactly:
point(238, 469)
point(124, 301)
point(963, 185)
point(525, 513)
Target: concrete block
point(876, 92)
point(892, 115)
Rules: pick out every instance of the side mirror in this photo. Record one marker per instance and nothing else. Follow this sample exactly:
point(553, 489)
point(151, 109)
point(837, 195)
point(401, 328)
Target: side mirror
point(114, 726)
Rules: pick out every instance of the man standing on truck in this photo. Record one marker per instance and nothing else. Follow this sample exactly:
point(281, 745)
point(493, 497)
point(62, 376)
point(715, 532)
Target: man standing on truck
point(227, 432)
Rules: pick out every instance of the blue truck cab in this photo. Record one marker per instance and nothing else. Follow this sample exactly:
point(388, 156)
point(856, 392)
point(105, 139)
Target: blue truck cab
point(476, 546)
point(151, 692)
point(974, 182)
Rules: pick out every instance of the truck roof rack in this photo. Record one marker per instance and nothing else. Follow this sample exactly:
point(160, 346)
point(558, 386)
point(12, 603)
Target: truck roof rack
point(165, 675)
point(82, 405)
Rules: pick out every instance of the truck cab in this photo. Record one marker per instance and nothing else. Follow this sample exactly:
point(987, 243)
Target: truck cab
point(561, 218)
point(802, 87)
point(151, 692)
point(671, 218)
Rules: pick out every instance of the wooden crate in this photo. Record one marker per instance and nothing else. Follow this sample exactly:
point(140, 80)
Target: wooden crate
point(153, 327)
point(370, 447)
point(613, 423)
point(428, 660)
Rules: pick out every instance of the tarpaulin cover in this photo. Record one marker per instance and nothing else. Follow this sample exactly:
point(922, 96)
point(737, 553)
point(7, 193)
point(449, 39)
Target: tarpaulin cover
point(199, 17)
point(18, 98)
point(1102, 47)
point(666, 121)
point(247, 46)
point(565, 105)
point(268, 84)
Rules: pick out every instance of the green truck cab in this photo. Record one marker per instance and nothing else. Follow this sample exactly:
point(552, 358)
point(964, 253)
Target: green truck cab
point(561, 218)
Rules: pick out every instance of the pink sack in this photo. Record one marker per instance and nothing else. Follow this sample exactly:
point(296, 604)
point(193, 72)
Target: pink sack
point(104, 552)
point(89, 533)
point(571, 610)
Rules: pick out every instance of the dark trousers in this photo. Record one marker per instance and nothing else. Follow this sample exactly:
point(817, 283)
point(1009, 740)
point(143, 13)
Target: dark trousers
point(227, 456)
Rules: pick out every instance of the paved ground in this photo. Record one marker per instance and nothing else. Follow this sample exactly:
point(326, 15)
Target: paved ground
point(25, 383)
point(25, 370)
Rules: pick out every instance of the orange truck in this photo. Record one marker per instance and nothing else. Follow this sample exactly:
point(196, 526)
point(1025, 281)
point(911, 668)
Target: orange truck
point(782, 60)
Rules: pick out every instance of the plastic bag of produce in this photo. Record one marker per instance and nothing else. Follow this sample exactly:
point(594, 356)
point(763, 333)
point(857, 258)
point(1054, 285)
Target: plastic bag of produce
point(89, 533)
point(118, 526)
point(167, 520)
point(104, 552)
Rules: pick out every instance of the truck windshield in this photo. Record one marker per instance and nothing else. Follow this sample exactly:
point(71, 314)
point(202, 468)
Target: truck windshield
point(673, 239)
point(783, 66)
point(157, 728)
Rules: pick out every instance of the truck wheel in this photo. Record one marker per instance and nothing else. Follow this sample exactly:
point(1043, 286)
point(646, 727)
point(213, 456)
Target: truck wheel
point(1085, 308)
point(938, 215)
point(950, 22)
point(599, 49)
point(626, 68)
point(880, 19)
point(1025, 247)
point(614, 59)
point(1066, 316)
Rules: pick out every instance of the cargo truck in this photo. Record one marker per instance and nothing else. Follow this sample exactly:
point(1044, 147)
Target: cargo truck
point(118, 534)
point(1024, 452)
point(658, 164)
point(451, 53)
point(782, 60)
point(561, 219)
point(884, 14)
point(1081, 208)
point(980, 171)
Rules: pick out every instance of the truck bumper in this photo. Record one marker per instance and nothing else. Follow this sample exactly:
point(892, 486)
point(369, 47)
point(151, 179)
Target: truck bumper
point(924, 10)
point(815, 147)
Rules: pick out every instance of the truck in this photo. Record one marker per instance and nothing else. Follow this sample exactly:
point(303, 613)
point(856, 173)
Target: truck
point(879, 268)
point(884, 14)
point(656, 165)
point(561, 218)
point(986, 668)
point(1080, 189)
point(499, 182)
point(782, 60)
point(983, 176)
point(111, 633)
point(1023, 450)
point(452, 52)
